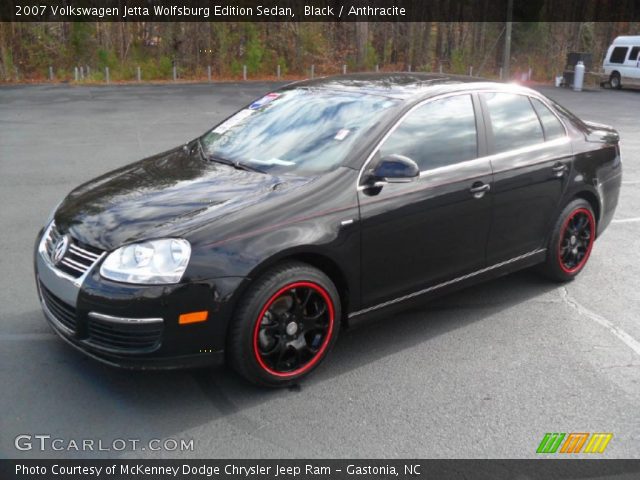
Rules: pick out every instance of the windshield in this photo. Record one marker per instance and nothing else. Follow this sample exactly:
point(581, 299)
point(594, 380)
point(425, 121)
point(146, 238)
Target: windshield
point(298, 131)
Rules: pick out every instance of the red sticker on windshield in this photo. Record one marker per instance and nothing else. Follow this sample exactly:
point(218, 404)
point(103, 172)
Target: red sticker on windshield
point(268, 98)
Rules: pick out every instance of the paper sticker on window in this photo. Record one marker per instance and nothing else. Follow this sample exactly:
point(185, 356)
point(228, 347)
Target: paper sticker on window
point(272, 161)
point(342, 134)
point(268, 98)
point(233, 121)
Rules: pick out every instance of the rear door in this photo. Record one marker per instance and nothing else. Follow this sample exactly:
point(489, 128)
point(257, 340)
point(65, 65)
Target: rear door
point(530, 154)
point(431, 230)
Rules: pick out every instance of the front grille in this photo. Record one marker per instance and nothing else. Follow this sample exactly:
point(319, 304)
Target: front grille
point(78, 258)
point(62, 311)
point(124, 336)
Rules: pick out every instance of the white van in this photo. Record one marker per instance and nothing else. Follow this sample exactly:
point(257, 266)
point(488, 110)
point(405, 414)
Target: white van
point(622, 62)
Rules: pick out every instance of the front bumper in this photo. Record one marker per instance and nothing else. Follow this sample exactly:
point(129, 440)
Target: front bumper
point(135, 326)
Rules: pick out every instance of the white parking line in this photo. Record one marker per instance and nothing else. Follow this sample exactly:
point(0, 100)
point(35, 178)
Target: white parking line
point(627, 339)
point(625, 220)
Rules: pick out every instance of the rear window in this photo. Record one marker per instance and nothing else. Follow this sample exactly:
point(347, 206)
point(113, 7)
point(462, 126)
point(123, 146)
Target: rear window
point(634, 53)
point(551, 125)
point(514, 123)
point(619, 55)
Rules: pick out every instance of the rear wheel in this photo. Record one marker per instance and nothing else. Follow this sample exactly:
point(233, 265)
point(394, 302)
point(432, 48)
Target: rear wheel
point(285, 325)
point(614, 81)
point(571, 242)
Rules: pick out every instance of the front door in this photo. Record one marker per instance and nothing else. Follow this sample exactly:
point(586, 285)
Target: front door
point(434, 229)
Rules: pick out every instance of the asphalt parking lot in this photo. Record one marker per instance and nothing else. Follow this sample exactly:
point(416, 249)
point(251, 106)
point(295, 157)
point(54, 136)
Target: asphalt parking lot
point(485, 372)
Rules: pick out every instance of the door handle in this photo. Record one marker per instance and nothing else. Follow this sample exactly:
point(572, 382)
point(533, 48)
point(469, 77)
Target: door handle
point(478, 189)
point(558, 169)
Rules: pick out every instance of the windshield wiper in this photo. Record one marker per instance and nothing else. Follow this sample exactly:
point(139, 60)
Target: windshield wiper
point(218, 159)
point(201, 150)
point(244, 166)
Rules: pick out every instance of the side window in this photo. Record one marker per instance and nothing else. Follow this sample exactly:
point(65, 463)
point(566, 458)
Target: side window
point(436, 134)
point(513, 120)
point(619, 55)
point(634, 53)
point(551, 125)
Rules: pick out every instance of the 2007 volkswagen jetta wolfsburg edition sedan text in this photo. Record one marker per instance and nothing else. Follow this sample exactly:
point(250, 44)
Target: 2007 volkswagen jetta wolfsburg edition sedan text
point(322, 201)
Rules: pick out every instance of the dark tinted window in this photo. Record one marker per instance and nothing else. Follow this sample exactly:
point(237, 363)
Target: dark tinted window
point(552, 127)
point(634, 53)
point(514, 122)
point(619, 55)
point(439, 133)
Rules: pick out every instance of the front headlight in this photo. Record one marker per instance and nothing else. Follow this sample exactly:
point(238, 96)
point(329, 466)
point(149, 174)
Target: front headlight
point(153, 262)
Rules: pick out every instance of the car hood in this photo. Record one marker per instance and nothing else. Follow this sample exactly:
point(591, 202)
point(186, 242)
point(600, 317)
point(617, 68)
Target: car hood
point(165, 195)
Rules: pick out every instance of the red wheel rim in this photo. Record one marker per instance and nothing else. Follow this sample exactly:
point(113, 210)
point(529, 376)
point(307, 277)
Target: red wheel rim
point(576, 240)
point(293, 329)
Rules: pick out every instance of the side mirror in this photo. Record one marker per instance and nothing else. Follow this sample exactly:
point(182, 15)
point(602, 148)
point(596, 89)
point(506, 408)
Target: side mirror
point(394, 168)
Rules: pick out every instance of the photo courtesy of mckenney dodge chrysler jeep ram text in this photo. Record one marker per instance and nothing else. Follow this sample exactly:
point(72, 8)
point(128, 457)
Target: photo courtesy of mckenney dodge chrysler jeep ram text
point(322, 201)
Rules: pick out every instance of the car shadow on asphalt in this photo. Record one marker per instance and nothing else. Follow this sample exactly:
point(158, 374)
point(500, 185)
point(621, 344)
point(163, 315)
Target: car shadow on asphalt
point(109, 400)
point(366, 341)
point(388, 332)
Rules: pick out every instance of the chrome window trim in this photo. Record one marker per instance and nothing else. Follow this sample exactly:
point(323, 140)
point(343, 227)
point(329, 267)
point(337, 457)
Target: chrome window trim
point(397, 124)
point(531, 94)
point(445, 284)
point(454, 166)
point(124, 320)
point(498, 156)
point(529, 149)
point(526, 149)
point(553, 112)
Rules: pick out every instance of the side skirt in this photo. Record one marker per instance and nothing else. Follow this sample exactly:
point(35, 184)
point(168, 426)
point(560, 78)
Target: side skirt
point(499, 269)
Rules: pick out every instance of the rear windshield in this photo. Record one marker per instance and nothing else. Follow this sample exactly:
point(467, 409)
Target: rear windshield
point(299, 131)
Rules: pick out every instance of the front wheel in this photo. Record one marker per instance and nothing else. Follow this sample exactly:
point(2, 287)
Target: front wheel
point(571, 241)
point(285, 325)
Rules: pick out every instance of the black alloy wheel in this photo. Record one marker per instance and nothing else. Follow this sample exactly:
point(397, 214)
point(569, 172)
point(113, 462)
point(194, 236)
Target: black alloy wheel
point(576, 241)
point(571, 241)
point(293, 329)
point(285, 325)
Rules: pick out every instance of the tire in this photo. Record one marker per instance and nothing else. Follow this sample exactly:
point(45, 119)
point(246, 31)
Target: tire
point(614, 81)
point(571, 242)
point(285, 325)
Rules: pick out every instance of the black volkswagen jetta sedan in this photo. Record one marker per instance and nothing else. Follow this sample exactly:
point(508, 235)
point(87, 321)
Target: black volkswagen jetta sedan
point(322, 201)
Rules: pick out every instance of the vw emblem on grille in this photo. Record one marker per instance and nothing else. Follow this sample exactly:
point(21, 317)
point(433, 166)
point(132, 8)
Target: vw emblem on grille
point(60, 249)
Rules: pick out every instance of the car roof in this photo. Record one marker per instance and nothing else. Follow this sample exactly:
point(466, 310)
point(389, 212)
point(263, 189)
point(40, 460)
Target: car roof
point(403, 85)
point(627, 40)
